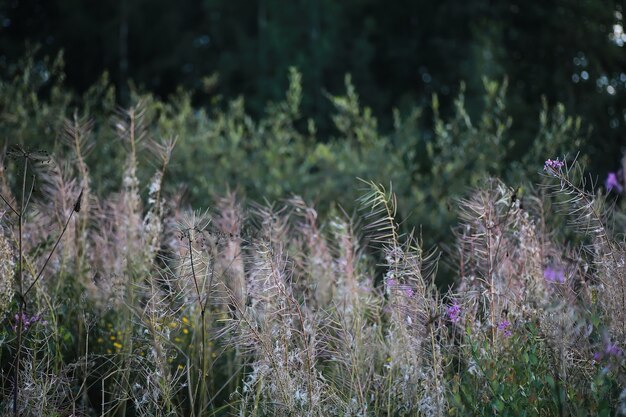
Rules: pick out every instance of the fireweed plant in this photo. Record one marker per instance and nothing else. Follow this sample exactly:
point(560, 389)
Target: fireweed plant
point(130, 305)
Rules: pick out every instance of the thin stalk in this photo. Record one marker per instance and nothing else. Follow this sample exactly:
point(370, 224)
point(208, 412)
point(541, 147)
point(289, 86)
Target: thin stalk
point(21, 301)
point(435, 373)
point(43, 268)
point(492, 294)
point(9, 205)
point(203, 353)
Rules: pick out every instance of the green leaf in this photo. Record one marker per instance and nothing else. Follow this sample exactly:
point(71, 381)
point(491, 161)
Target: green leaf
point(498, 405)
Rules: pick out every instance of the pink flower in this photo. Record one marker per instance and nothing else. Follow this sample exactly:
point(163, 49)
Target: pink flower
point(612, 183)
point(27, 321)
point(554, 274)
point(504, 327)
point(553, 166)
point(454, 313)
point(408, 292)
point(611, 350)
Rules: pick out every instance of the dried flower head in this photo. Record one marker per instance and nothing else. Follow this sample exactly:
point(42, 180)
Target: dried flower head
point(7, 265)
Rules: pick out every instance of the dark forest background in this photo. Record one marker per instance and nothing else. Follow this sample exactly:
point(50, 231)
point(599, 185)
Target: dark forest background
point(439, 94)
point(398, 53)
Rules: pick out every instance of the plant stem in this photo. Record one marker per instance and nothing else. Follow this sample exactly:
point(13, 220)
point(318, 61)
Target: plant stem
point(20, 285)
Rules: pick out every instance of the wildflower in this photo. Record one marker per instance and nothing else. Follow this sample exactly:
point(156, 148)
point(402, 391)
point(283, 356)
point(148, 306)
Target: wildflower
point(613, 350)
point(408, 291)
point(553, 166)
point(504, 327)
point(454, 313)
point(610, 350)
point(554, 274)
point(27, 321)
point(612, 183)
point(117, 345)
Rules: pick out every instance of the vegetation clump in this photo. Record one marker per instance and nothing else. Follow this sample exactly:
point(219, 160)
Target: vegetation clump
point(119, 300)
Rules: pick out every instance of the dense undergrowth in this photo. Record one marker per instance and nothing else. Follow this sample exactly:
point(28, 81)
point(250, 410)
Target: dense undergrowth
point(125, 308)
point(432, 154)
point(120, 301)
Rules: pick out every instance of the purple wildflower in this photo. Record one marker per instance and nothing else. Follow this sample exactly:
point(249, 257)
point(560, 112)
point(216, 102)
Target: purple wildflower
point(390, 283)
point(408, 291)
point(552, 274)
point(26, 321)
point(552, 166)
point(454, 313)
point(504, 327)
point(613, 350)
point(612, 183)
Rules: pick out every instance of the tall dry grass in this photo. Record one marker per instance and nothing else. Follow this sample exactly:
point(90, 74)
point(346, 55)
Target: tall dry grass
point(133, 305)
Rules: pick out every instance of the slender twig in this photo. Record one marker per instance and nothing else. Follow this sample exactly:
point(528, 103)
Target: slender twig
point(21, 301)
point(9, 205)
point(43, 268)
point(30, 193)
point(203, 360)
point(193, 271)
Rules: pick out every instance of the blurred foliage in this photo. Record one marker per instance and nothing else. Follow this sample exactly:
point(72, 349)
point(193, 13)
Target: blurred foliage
point(283, 153)
point(399, 54)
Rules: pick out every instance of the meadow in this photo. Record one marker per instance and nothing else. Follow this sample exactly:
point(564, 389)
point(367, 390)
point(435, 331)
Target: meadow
point(120, 298)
